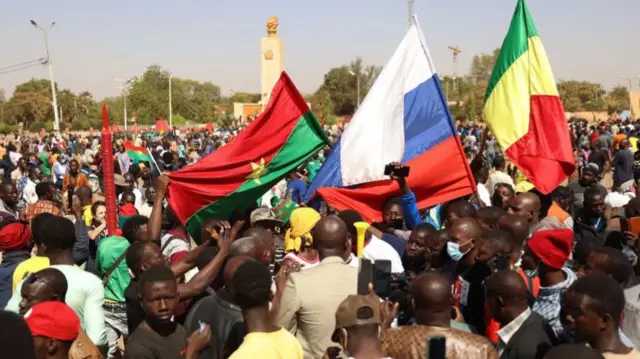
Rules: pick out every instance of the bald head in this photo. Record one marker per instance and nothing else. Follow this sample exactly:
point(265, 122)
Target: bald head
point(432, 292)
point(232, 265)
point(464, 229)
point(507, 285)
point(248, 246)
point(330, 236)
point(527, 205)
point(55, 279)
point(517, 226)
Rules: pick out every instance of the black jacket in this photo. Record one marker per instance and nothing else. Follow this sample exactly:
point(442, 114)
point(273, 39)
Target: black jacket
point(225, 320)
point(531, 341)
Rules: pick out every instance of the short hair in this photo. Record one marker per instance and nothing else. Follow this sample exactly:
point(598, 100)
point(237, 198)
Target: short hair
point(252, 285)
point(95, 205)
point(463, 208)
point(490, 215)
point(16, 336)
point(561, 192)
point(605, 292)
point(43, 189)
point(245, 246)
point(134, 170)
point(84, 191)
point(135, 252)
point(498, 161)
point(501, 239)
point(426, 227)
point(591, 192)
point(61, 234)
point(616, 265)
point(154, 274)
point(132, 226)
point(391, 201)
point(583, 249)
point(129, 195)
point(167, 158)
point(38, 227)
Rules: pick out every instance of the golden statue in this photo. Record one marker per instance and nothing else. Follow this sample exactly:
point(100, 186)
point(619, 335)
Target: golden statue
point(272, 26)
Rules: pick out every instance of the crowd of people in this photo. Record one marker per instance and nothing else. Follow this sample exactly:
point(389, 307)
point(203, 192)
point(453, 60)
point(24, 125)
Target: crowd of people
point(506, 272)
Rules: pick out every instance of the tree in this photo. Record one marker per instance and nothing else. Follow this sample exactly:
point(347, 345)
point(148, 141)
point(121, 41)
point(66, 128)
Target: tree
point(322, 106)
point(618, 100)
point(581, 96)
point(481, 69)
point(341, 83)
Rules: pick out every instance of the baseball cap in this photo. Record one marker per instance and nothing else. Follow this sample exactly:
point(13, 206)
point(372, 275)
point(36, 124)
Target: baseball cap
point(356, 310)
point(54, 320)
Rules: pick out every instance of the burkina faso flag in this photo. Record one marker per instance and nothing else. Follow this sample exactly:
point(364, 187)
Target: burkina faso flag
point(282, 138)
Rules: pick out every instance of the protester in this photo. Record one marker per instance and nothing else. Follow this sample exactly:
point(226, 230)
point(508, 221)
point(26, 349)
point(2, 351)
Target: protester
point(54, 326)
point(158, 336)
point(8, 201)
point(252, 290)
point(432, 304)
point(358, 321)
point(498, 175)
point(14, 238)
point(44, 203)
point(300, 311)
point(524, 334)
point(16, 336)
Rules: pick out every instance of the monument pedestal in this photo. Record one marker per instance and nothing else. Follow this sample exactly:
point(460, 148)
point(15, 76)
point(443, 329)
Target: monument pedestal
point(271, 64)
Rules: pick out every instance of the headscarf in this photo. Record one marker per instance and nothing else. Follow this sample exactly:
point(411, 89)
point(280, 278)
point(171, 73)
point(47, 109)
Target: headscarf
point(302, 220)
point(14, 236)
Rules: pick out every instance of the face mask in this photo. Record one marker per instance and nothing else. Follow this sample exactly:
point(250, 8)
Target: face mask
point(453, 250)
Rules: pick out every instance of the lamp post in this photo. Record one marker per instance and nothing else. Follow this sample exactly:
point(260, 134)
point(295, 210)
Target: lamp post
point(47, 61)
point(170, 107)
point(357, 85)
point(125, 89)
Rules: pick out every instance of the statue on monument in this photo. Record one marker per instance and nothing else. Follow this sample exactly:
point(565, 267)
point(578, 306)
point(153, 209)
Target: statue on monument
point(272, 26)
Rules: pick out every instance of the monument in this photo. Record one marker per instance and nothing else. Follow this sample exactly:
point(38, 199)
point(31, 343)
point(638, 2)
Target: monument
point(271, 65)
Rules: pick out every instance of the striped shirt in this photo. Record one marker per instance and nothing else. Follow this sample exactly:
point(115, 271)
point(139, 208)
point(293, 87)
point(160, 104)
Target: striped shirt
point(547, 303)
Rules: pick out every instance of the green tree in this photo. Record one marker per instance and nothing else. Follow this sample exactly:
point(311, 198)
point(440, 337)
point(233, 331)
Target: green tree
point(581, 96)
point(479, 76)
point(617, 100)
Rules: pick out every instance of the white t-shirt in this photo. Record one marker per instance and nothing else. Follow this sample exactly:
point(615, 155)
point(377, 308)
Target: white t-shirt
point(379, 249)
point(483, 194)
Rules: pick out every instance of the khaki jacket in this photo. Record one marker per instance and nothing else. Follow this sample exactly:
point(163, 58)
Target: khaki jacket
point(83, 348)
point(309, 302)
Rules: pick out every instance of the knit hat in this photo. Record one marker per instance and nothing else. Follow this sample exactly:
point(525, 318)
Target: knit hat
point(14, 235)
point(302, 220)
point(54, 320)
point(552, 246)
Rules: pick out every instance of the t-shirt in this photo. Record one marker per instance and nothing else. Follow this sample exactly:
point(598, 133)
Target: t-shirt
point(145, 343)
point(378, 249)
point(313, 167)
point(276, 345)
point(109, 250)
point(87, 216)
point(598, 157)
point(623, 166)
point(633, 354)
point(31, 265)
point(45, 166)
point(297, 189)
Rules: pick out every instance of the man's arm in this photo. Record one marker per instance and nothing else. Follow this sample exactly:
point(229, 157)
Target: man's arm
point(289, 306)
point(154, 227)
point(94, 316)
point(81, 246)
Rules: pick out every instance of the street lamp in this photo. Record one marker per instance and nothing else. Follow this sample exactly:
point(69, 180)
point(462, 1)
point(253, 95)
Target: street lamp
point(125, 89)
point(358, 86)
point(170, 107)
point(47, 61)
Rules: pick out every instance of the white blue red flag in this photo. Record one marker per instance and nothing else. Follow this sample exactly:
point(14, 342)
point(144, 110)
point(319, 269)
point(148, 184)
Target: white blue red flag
point(404, 118)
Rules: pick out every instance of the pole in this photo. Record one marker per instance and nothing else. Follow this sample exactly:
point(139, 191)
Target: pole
point(126, 119)
point(56, 123)
point(170, 107)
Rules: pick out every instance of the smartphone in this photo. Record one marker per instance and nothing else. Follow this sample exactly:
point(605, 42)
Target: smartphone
point(365, 276)
point(436, 347)
point(399, 172)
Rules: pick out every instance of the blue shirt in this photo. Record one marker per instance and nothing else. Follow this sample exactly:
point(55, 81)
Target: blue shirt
point(10, 261)
point(297, 189)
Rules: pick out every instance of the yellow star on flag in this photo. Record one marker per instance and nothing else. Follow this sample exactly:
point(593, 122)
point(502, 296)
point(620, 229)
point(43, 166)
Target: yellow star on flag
point(257, 170)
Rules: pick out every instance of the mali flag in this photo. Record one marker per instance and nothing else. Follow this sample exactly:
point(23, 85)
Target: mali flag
point(523, 108)
point(282, 138)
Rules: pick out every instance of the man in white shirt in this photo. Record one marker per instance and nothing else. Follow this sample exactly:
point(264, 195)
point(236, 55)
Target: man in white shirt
point(29, 191)
point(499, 176)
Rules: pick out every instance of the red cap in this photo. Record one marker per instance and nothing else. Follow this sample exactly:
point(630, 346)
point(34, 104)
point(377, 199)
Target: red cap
point(552, 246)
point(54, 320)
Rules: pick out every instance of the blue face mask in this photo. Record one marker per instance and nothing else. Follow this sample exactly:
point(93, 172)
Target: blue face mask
point(453, 250)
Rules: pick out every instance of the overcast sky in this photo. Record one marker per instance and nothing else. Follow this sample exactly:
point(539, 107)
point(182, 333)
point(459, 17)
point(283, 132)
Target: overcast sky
point(94, 42)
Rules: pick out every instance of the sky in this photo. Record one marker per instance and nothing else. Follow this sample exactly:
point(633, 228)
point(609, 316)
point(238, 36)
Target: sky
point(94, 42)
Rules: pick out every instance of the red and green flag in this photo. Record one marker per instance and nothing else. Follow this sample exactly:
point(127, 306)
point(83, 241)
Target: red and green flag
point(232, 178)
point(137, 154)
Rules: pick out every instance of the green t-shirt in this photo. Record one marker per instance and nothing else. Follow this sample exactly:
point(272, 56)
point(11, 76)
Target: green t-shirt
point(109, 250)
point(313, 167)
point(45, 167)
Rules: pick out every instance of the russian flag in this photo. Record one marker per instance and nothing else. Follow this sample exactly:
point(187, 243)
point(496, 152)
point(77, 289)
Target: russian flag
point(405, 118)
